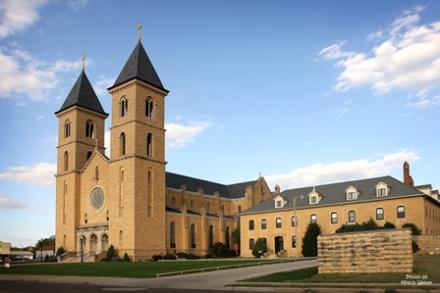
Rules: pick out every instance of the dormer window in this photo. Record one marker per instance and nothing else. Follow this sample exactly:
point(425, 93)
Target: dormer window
point(279, 204)
point(314, 197)
point(314, 200)
point(279, 201)
point(352, 193)
point(382, 189)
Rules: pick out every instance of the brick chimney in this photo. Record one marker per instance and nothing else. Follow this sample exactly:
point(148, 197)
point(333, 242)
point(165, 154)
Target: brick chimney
point(407, 179)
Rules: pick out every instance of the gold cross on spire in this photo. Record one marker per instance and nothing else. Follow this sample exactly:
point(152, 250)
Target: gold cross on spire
point(83, 62)
point(139, 31)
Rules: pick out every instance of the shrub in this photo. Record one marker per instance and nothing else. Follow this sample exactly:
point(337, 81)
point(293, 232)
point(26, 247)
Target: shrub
point(126, 257)
point(182, 254)
point(60, 251)
point(192, 256)
point(310, 240)
point(169, 256)
point(260, 248)
point(156, 257)
point(414, 229)
point(111, 253)
point(208, 256)
point(389, 225)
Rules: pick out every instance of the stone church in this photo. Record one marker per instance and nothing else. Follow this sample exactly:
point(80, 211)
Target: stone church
point(129, 200)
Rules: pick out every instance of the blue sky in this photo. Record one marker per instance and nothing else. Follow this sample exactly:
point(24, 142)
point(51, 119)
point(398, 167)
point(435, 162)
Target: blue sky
point(303, 92)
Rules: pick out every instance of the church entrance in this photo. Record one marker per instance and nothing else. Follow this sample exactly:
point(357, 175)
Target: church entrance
point(279, 244)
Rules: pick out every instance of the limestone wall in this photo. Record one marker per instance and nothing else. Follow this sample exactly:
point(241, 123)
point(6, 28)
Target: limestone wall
point(379, 251)
point(428, 244)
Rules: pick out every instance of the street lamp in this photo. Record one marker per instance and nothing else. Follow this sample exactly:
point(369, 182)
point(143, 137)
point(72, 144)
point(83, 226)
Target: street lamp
point(296, 223)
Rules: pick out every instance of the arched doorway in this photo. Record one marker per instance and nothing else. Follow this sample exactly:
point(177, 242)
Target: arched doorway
point(104, 242)
point(279, 244)
point(93, 243)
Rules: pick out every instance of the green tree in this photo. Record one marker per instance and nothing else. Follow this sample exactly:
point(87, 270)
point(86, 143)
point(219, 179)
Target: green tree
point(235, 235)
point(45, 241)
point(414, 229)
point(60, 251)
point(111, 253)
point(310, 240)
point(260, 248)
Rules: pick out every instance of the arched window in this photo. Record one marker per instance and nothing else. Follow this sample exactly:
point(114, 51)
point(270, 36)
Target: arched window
point(211, 237)
point(193, 236)
point(122, 144)
point(239, 209)
point(66, 161)
point(149, 144)
point(172, 235)
point(89, 154)
point(124, 107)
point(104, 242)
point(67, 128)
point(90, 129)
point(251, 225)
point(96, 173)
point(228, 237)
point(294, 221)
point(149, 107)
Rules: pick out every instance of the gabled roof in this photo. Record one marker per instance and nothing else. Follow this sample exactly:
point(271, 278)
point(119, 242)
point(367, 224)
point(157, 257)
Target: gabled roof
point(83, 95)
point(336, 194)
point(139, 66)
point(231, 191)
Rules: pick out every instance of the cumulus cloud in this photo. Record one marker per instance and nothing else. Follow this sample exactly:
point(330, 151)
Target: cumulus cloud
point(25, 77)
point(17, 15)
point(407, 57)
point(341, 171)
point(181, 135)
point(8, 203)
point(39, 174)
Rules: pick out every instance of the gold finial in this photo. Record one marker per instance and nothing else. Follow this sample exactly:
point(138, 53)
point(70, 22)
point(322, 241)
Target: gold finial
point(139, 31)
point(83, 62)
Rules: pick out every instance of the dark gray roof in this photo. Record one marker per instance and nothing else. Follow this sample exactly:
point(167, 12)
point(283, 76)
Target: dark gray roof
point(83, 95)
point(236, 190)
point(423, 186)
point(336, 194)
point(140, 67)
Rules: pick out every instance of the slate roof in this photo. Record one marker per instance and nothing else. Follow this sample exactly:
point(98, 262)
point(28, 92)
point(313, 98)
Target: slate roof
point(83, 95)
point(335, 194)
point(140, 67)
point(231, 191)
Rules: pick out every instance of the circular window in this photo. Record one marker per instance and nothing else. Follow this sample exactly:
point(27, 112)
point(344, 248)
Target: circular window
point(97, 198)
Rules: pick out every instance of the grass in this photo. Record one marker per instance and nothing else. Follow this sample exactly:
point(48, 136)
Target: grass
point(123, 269)
point(428, 265)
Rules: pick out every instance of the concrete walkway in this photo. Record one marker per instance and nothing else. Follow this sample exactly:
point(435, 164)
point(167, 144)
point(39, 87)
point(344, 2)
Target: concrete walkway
point(209, 280)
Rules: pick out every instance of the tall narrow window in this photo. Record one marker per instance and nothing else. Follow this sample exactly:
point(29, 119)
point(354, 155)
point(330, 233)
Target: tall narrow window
point(149, 194)
point(251, 243)
point(149, 145)
point(121, 236)
point(263, 224)
point(293, 241)
point(96, 173)
point(66, 161)
point(193, 236)
point(86, 219)
point(67, 128)
point(228, 238)
point(149, 107)
point(379, 214)
point(400, 212)
point(122, 144)
point(172, 235)
point(334, 218)
point(251, 225)
point(124, 107)
point(64, 202)
point(211, 236)
point(90, 129)
point(278, 222)
point(351, 216)
point(294, 221)
point(239, 209)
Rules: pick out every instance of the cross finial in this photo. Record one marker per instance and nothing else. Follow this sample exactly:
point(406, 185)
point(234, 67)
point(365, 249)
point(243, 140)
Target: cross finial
point(83, 62)
point(139, 31)
point(259, 174)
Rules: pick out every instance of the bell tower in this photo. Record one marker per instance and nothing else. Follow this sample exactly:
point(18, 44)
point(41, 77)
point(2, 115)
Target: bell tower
point(138, 148)
point(80, 131)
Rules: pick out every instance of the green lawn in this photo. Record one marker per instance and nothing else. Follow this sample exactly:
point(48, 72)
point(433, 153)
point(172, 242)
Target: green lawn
point(122, 269)
point(427, 264)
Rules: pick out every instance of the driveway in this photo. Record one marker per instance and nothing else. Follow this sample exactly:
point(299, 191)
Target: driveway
point(208, 280)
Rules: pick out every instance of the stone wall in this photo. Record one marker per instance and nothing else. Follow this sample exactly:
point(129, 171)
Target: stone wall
point(428, 244)
point(379, 251)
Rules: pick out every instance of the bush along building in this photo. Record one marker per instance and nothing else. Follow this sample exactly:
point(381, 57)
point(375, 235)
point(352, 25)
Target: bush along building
point(282, 220)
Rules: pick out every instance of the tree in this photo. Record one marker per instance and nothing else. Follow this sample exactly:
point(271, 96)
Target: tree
point(45, 241)
point(235, 235)
point(310, 240)
point(414, 229)
point(111, 253)
point(60, 251)
point(260, 248)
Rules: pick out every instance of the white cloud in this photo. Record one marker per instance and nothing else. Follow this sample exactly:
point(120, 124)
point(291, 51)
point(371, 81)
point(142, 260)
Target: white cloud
point(17, 15)
point(102, 84)
point(408, 57)
point(8, 203)
point(25, 77)
point(341, 171)
point(77, 4)
point(180, 135)
point(39, 174)
point(424, 103)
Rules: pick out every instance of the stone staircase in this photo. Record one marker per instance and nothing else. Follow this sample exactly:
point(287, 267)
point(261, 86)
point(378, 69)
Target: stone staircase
point(75, 257)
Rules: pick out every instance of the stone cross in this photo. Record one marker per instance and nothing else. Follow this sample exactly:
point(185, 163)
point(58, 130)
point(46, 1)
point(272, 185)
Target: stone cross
point(83, 62)
point(139, 31)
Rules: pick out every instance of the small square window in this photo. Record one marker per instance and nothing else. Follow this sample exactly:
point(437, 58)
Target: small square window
point(279, 204)
point(313, 200)
point(313, 218)
point(381, 192)
point(351, 195)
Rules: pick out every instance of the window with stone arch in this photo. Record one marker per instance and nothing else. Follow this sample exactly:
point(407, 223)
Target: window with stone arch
point(124, 107)
point(90, 129)
point(122, 144)
point(193, 236)
point(149, 145)
point(149, 105)
point(66, 160)
point(67, 128)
